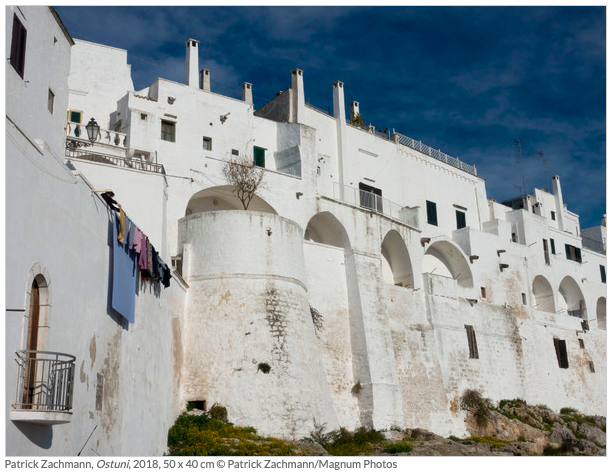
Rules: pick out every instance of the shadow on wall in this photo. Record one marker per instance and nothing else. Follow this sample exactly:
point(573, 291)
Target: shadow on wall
point(40, 435)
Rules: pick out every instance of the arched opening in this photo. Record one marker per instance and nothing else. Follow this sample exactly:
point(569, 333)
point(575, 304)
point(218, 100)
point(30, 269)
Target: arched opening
point(36, 324)
point(396, 265)
point(324, 228)
point(601, 322)
point(444, 259)
point(543, 295)
point(571, 300)
point(223, 198)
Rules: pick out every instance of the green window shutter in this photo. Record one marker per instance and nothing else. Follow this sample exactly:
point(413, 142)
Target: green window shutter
point(552, 246)
point(578, 254)
point(431, 212)
point(75, 116)
point(460, 220)
point(568, 252)
point(259, 156)
point(602, 270)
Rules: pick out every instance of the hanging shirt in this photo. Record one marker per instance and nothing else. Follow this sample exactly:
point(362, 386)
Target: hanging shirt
point(122, 225)
point(143, 254)
point(136, 242)
point(166, 277)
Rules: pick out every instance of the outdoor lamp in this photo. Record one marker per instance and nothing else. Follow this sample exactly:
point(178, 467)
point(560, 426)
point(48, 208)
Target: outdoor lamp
point(92, 130)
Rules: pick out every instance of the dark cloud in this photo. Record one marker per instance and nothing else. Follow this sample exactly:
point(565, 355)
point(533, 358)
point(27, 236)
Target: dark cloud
point(466, 80)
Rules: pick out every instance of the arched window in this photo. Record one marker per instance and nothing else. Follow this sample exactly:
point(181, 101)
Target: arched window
point(543, 295)
point(396, 265)
point(571, 300)
point(324, 228)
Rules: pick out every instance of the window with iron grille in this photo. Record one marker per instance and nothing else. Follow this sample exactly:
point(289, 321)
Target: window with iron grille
point(561, 353)
point(473, 345)
point(431, 213)
point(168, 131)
point(18, 46)
point(370, 197)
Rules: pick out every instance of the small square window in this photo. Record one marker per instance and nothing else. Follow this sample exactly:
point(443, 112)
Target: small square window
point(235, 152)
point(524, 298)
point(75, 116)
point(143, 116)
point(207, 143)
point(168, 131)
point(50, 101)
point(553, 215)
point(460, 220)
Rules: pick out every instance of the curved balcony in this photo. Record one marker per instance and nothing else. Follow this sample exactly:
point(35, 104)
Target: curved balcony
point(44, 387)
point(76, 136)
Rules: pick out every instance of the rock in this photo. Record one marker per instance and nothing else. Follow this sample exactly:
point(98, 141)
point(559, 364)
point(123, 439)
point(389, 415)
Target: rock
point(561, 436)
point(592, 433)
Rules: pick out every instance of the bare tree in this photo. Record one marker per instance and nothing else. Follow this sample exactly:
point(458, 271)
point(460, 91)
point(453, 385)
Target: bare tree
point(245, 176)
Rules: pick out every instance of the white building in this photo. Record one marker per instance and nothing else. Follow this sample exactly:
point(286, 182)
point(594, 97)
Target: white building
point(371, 274)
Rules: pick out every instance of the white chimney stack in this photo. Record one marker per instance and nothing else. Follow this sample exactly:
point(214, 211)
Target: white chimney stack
point(354, 111)
point(205, 80)
point(191, 62)
point(247, 93)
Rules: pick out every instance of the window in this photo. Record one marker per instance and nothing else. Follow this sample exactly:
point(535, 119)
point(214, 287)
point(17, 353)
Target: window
point(431, 213)
point(602, 270)
point(143, 116)
point(460, 220)
point(514, 237)
point(259, 156)
point(235, 152)
point(370, 197)
point(561, 353)
point(573, 253)
point(581, 342)
point(473, 345)
point(553, 215)
point(591, 366)
point(168, 131)
point(524, 298)
point(483, 292)
point(18, 46)
point(207, 143)
point(50, 100)
point(546, 254)
point(552, 248)
point(75, 116)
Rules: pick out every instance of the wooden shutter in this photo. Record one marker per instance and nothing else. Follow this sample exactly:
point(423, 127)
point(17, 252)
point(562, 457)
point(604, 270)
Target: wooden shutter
point(460, 220)
point(578, 251)
point(259, 156)
point(431, 212)
point(552, 248)
point(568, 252)
point(602, 270)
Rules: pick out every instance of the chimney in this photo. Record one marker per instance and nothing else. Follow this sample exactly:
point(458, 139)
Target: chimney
point(338, 100)
point(205, 80)
point(603, 220)
point(354, 112)
point(558, 200)
point(342, 147)
point(191, 62)
point(247, 93)
point(298, 96)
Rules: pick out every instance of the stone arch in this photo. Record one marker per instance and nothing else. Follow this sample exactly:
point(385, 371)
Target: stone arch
point(222, 198)
point(396, 264)
point(543, 294)
point(601, 313)
point(571, 299)
point(325, 228)
point(444, 258)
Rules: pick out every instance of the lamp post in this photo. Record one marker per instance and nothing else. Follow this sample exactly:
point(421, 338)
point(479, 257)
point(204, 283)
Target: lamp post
point(93, 129)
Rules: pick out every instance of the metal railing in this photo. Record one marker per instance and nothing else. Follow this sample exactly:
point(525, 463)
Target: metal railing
point(76, 131)
point(142, 165)
point(592, 244)
point(375, 203)
point(437, 154)
point(44, 381)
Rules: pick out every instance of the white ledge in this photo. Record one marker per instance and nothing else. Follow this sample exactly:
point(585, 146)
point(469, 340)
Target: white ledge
point(41, 417)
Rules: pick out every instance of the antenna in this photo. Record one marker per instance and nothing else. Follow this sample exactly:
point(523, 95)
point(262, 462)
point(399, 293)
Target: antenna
point(518, 143)
point(544, 159)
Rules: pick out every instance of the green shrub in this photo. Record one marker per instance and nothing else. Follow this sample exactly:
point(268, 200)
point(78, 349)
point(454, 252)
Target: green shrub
point(218, 412)
point(396, 448)
point(347, 443)
point(454, 438)
point(567, 410)
point(264, 367)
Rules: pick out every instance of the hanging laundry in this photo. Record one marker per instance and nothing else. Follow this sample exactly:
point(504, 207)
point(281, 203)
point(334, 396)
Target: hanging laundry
point(108, 197)
point(122, 225)
point(166, 278)
point(136, 243)
point(149, 257)
point(124, 275)
point(143, 254)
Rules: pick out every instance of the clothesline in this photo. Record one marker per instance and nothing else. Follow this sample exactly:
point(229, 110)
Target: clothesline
point(132, 253)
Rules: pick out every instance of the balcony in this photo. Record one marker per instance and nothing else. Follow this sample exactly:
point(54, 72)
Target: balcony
point(374, 202)
point(135, 164)
point(44, 387)
point(76, 137)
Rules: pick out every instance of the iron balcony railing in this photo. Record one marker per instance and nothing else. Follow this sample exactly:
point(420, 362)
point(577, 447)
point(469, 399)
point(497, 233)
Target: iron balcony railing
point(592, 244)
point(44, 381)
point(143, 165)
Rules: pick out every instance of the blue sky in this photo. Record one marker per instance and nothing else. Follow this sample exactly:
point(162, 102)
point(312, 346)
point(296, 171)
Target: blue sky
point(466, 80)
